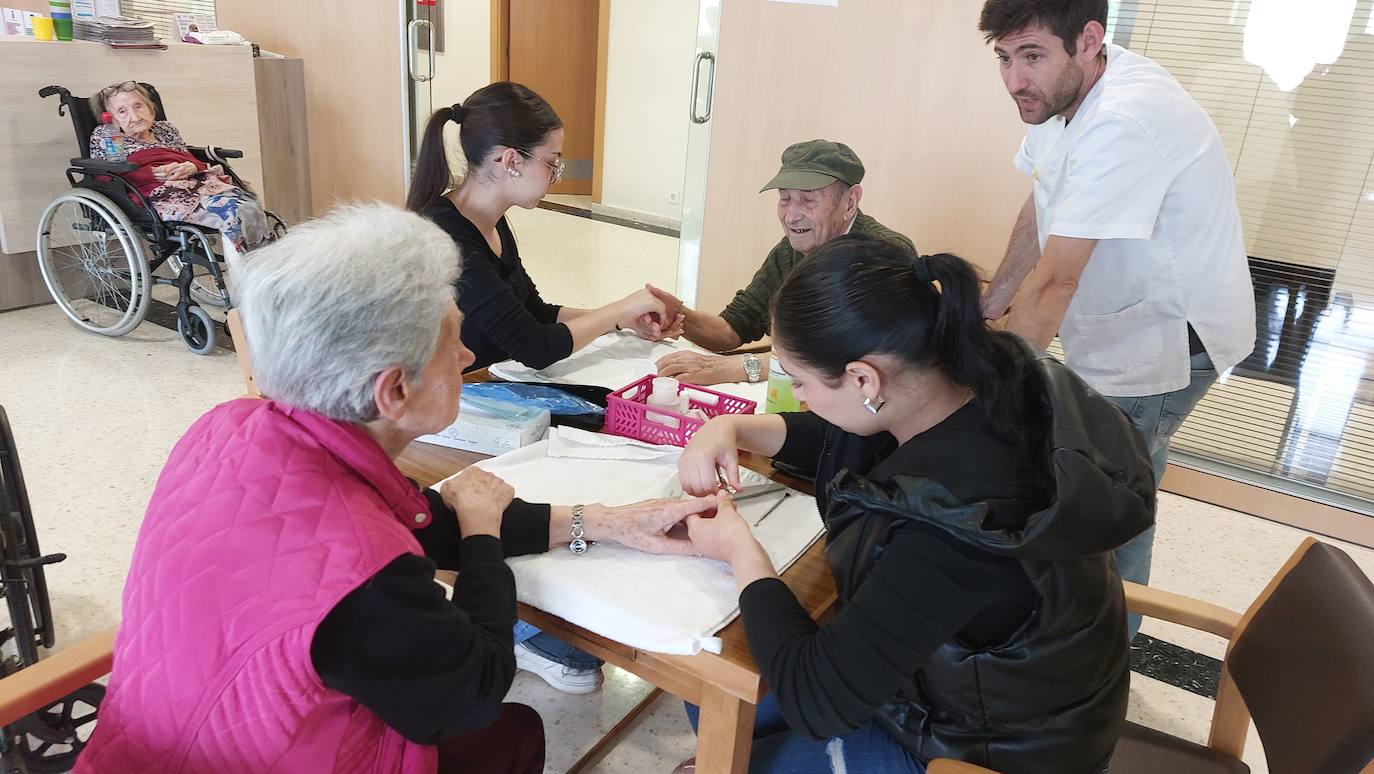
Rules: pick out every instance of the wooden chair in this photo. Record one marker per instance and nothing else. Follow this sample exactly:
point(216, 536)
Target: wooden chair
point(241, 352)
point(1300, 661)
point(35, 687)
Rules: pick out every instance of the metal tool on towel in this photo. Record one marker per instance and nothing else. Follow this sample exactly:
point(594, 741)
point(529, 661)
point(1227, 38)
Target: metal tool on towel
point(758, 490)
point(773, 507)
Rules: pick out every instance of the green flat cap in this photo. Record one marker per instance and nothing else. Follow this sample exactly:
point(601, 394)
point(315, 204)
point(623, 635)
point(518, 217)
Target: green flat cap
point(815, 164)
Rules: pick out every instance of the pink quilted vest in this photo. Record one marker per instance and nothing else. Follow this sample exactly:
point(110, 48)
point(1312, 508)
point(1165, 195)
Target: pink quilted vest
point(263, 519)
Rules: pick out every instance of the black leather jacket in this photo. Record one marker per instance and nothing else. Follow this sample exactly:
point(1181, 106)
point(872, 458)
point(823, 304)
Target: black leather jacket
point(1052, 697)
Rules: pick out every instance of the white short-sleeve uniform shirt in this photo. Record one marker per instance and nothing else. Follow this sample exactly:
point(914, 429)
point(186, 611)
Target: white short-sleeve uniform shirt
point(1142, 170)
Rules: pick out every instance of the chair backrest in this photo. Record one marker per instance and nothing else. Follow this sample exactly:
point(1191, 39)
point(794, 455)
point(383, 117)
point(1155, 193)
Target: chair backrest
point(241, 352)
point(1303, 661)
point(84, 119)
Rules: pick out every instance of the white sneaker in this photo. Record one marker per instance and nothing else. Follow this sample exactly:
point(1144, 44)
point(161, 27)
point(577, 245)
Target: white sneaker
point(565, 679)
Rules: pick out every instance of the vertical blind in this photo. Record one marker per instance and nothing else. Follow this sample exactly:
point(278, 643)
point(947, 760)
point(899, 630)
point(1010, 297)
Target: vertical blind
point(1300, 410)
point(160, 12)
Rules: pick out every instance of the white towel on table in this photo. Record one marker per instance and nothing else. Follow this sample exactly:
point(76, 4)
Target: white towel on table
point(571, 442)
point(666, 604)
point(614, 361)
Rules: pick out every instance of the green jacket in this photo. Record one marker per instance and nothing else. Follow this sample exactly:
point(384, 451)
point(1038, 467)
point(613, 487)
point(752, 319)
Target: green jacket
point(747, 314)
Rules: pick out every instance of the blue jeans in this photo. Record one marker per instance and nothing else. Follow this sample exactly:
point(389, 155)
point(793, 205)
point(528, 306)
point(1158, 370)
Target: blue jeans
point(780, 750)
point(554, 649)
point(1158, 417)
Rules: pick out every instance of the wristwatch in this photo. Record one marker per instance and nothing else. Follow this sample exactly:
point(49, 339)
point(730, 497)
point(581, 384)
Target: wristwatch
point(753, 371)
point(578, 544)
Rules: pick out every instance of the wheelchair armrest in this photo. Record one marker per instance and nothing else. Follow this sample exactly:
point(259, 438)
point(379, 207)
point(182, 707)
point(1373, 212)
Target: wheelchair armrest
point(101, 166)
point(211, 154)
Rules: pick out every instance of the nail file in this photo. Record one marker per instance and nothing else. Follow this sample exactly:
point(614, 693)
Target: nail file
point(774, 507)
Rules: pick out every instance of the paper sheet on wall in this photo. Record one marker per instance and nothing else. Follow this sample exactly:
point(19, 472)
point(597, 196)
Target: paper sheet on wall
point(614, 361)
point(666, 604)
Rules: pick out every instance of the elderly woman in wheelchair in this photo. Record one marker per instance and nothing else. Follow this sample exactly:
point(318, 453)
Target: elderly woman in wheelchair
point(142, 198)
point(179, 186)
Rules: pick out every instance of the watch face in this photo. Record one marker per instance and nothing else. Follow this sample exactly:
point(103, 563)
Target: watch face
point(752, 368)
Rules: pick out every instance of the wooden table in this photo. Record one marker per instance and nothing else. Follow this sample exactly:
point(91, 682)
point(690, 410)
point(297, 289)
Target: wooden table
point(726, 686)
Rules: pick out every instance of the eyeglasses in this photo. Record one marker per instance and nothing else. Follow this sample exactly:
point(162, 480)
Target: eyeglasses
point(558, 167)
point(110, 91)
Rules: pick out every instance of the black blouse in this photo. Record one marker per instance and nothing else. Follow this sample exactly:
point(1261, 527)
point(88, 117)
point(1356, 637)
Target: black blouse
point(503, 316)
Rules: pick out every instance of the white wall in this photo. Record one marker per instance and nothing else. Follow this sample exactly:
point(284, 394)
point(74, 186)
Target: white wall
point(648, 86)
point(465, 64)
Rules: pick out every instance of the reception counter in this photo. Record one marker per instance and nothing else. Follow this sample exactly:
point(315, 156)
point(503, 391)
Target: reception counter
point(211, 94)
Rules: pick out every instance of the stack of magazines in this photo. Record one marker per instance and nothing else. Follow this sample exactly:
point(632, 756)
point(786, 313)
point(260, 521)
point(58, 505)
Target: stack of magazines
point(117, 32)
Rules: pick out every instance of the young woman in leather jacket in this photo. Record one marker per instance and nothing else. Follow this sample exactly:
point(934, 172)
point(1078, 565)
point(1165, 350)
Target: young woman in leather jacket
point(972, 491)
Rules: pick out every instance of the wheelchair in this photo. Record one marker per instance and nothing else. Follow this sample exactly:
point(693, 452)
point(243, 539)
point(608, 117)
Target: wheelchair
point(101, 243)
point(48, 740)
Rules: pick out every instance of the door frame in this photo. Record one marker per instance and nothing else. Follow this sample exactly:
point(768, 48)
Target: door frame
point(500, 71)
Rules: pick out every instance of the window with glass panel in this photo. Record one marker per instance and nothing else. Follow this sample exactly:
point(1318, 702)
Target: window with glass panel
point(1290, 86)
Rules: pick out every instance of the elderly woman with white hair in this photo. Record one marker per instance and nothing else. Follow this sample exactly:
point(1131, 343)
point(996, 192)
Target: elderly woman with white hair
point(280, 614)
point(178, 185)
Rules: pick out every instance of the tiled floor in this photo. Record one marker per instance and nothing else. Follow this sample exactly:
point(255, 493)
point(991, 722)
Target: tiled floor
point(95, 418)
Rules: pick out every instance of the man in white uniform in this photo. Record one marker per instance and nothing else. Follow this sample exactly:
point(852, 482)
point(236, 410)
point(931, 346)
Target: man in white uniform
point(1130, 246)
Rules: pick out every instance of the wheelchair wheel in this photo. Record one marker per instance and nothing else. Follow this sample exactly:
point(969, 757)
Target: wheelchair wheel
point(93, 263)
point(31, 616)
point(56, 734)
point(204, 289)
point(16, 586)
point(199, 337)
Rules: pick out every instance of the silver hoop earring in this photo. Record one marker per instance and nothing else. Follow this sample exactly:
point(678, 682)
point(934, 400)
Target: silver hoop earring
point(874, 408)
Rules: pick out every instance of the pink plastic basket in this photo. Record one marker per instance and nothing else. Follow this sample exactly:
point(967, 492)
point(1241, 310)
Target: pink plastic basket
point(626, 409)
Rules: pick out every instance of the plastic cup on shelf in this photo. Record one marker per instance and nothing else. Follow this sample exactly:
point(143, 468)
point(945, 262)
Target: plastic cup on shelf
point(42, 28)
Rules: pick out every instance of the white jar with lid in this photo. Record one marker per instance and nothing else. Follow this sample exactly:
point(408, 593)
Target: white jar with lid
point(665, 396)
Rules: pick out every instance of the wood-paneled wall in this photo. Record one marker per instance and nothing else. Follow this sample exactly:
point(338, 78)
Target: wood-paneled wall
point(284, 126)
point(910, 86)
point(352, 54)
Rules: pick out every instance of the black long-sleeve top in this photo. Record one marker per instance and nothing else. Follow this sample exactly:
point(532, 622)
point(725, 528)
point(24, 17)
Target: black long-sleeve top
point(924, 590)
point(428, 667)
point(503, 315)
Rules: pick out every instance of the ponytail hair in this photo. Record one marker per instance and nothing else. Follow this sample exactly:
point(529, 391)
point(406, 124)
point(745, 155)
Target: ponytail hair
point(859, 296)
point(499, 115)
point(432, 176)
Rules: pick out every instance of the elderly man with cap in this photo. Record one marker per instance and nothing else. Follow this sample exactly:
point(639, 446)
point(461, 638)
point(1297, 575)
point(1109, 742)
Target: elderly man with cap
point(818, 200)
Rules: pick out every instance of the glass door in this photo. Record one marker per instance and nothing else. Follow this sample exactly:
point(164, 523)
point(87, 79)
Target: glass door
point(419, 40)
point(698, 149)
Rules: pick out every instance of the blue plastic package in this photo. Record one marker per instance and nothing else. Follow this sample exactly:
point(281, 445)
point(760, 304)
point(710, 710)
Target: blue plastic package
point(534, 395)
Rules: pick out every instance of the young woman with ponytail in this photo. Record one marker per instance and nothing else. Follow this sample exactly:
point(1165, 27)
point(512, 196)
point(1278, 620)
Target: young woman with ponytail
point(972, 492)
point(512, 141)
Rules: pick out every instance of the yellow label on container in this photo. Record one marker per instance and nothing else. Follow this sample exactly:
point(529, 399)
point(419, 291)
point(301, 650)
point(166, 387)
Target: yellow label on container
point(780, 399)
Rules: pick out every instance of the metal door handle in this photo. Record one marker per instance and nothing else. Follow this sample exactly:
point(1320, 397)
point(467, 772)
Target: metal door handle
point(413, 34)
point(704, 56)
